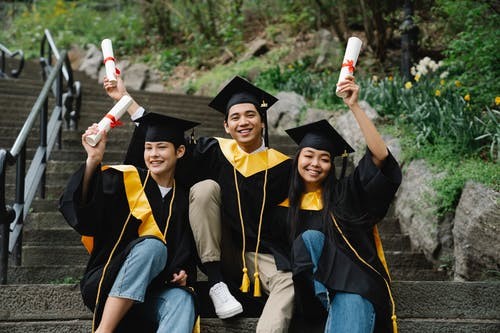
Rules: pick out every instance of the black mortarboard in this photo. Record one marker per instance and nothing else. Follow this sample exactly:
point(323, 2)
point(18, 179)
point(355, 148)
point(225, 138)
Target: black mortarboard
point(238, 91)
point(320, 135)
point(159, 127)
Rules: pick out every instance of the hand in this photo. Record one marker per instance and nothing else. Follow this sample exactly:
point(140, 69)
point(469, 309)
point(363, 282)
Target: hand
point(348, 85)
point(115, 90)
point(94, 154)
point(180, 278)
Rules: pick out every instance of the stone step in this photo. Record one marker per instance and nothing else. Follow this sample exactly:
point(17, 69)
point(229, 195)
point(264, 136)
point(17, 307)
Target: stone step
point(248, 325)
point(53, 274)
point(76, 254)
point(420, 307)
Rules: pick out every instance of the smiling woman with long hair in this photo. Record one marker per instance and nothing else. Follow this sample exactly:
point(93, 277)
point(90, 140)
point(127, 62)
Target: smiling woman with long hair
point(330, 223)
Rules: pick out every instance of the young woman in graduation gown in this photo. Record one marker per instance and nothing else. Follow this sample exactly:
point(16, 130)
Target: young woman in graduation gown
point(142, 255)
point(337, 260)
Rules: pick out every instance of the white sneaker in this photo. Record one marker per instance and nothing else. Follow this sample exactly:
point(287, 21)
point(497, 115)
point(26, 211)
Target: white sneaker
point(225, 304)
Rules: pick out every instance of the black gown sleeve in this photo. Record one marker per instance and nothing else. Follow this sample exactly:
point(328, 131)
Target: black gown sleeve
point(83, 216)
point(363, 197)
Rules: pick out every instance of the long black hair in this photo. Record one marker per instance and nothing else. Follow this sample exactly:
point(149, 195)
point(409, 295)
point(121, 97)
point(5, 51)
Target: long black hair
point(296, 190)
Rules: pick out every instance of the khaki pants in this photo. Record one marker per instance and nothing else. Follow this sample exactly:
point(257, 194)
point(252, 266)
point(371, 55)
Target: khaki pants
point(205, 220)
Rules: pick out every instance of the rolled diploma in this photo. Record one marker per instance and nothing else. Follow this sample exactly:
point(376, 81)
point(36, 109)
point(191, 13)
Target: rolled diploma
point(105, 124)
point(109, 59)
point(351, 54)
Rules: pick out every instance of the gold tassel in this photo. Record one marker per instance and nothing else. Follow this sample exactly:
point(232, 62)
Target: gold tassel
point(245, 283)
point(197, 326)
point(256, 285)
point(394, 324)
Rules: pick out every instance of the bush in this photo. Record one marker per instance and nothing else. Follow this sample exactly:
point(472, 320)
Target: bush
point(72, 22)
point(472, 53)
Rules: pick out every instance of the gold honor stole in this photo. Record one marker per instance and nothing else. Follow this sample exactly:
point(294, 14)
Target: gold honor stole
point(249, 164)
point(313, 201)
point(138, 205)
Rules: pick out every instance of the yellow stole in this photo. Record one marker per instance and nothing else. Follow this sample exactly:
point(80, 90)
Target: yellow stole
point(249, 164)
point(138, 205)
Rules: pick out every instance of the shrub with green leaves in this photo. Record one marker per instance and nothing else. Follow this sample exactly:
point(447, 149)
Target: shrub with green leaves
point(472, 54)
point(74, 22)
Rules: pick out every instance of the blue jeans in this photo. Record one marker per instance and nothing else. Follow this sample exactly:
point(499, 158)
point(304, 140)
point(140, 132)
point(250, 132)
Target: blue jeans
point(347, 312)
point(172, 308)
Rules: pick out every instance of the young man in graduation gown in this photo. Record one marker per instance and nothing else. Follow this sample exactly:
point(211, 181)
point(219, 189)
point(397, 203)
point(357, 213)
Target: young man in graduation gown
point(238, 180)
point(134, 223)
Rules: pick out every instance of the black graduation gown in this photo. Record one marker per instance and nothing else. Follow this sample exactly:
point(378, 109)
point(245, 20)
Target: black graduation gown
point(103, 217)
point(210, 158)
point(217, 156)
point(360, 200)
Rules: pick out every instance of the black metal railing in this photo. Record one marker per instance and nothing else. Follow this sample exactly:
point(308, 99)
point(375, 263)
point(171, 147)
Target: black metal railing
point(6, 53)
point(28, 183)
point(73, 97)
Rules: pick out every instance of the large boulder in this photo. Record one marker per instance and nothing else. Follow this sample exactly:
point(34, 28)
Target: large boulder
point(348, 127)
point(416, 208)
point(476, 232)
point(92, 61)
point(285, 113)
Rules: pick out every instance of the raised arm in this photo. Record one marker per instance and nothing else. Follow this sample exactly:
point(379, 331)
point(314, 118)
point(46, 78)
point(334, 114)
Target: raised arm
point(117, 90)
point(94, 157)
point(373, 138)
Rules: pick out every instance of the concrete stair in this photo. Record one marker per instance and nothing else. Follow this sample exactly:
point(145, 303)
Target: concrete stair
point(43, 295)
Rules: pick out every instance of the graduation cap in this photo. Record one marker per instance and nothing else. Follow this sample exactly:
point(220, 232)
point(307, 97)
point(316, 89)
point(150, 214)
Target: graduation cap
point(239, 91)
point(321, 135)
point(159, 127)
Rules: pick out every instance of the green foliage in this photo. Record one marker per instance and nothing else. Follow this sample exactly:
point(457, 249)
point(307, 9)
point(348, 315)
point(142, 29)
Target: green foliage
point(318, 88)
point(458, 168)
point(435, 112)
point(72, 22)
point(472, 52)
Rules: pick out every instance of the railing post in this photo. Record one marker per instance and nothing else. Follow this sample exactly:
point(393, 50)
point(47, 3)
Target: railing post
point(2, 70)
point(5, 220)
point(20, 183)
point(43, 141)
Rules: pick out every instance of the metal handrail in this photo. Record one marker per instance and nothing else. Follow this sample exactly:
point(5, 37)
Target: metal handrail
point(28, 183)
point(73, 98)
point(4, 51)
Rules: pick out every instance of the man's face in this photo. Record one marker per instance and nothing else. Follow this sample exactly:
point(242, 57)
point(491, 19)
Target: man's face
point(245, 125)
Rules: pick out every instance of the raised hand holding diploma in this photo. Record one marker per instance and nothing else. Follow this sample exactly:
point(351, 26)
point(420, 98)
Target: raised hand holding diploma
point(349, 63)
point(110, 120)
point(109, 60)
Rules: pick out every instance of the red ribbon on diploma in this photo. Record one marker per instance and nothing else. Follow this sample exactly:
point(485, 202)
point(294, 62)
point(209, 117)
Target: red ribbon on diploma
point(114, 122)
point(111, 58)
point(350, 65)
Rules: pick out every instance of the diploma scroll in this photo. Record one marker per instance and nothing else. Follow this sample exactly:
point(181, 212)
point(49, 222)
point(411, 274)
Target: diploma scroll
point(109, 59)
point(349, 63)
point(110, 120)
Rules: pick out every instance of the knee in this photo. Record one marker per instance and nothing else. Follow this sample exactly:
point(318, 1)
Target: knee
point(154, 250)
point(204, 192)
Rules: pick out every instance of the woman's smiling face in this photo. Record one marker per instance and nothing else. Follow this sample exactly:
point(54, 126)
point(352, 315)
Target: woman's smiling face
point(313, 166)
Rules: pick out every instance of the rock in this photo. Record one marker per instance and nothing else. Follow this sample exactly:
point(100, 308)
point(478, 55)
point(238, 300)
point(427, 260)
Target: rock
point(286, 112)
point(136, 76)
point(92, 61)
point(255, 48)
point(476, 232)
point(348, 127)
point(76, 56)
point(416, 209)
point(329, 49)
point(313, 115)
